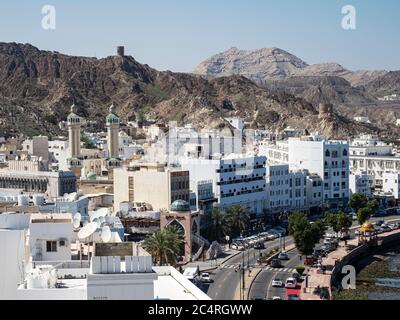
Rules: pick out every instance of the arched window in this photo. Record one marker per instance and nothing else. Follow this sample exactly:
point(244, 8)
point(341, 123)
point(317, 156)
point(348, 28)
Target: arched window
point(345, 153)
point(327, 153)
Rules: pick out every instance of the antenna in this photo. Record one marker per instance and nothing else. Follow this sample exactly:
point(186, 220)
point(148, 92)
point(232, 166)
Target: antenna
point(106, 234)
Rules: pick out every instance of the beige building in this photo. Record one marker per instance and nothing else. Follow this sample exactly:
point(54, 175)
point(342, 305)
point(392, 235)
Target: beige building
point(37, 146)
point(150, 183)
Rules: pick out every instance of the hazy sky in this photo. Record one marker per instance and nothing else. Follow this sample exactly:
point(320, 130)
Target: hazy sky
point(178, 34)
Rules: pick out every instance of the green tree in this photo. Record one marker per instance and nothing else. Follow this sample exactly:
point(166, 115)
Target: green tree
point(305, 234)
point(358, 201)
point(373, 205)
point(237, 219)
point(344, 222)
point(165, 246)
point(217, 228)
point(363, 215)
point(339, 222)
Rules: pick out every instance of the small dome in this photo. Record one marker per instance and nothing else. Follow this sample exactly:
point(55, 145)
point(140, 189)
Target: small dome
point(73, 117)
point(180, 206)
point(91, 176)
point(112, 117)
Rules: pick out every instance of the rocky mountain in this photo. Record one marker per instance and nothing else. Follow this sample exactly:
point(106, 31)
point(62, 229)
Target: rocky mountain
point(37, 88)
point(386, 84)
point(256, 65)
point(322, 89)
point(276, 64)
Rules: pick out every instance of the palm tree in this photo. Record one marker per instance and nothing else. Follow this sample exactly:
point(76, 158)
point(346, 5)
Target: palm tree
point(238, 219)
point(217, 229)
point(164, 246)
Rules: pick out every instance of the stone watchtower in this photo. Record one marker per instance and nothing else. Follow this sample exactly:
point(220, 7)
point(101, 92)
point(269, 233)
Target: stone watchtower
point(74, 123)
point(121, 51)
point(325, 109)
point(112, 123)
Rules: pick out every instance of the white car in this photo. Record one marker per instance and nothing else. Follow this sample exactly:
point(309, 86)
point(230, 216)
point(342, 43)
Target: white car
point(205, 277)
point(277, 283)
point(291, 283)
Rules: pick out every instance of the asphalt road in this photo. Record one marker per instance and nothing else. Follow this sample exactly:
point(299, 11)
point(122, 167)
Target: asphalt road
point(226, 280)
point(262, 285)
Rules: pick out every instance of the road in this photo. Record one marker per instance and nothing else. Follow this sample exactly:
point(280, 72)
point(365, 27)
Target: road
point(262, 286)
point(226, 280)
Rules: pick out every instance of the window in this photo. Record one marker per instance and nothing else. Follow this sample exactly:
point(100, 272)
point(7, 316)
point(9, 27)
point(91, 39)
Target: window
point(51, 246)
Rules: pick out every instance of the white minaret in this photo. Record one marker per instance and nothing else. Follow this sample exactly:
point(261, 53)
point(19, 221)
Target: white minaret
point(74, 132)
point(112, 123)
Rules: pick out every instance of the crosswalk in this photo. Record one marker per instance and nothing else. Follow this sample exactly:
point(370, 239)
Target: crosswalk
point(281, 270)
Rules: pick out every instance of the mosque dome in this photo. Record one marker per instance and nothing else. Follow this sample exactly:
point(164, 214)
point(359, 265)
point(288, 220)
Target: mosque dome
point(180, 206)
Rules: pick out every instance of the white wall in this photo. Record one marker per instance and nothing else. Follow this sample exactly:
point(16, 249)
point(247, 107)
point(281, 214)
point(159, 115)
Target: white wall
point(11, 266)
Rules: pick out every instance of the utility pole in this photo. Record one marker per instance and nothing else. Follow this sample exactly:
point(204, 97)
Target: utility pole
point(243, 278)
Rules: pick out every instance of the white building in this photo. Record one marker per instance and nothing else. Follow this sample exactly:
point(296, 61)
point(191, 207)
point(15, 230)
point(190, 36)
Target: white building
point(361, 183)
point(58, 150)
point(362, 119)
point(50, 237)
point(237, 179)
point(373, 156)
point(328, 159)
point(117, 271)
point(286, 190)
point(391, 184)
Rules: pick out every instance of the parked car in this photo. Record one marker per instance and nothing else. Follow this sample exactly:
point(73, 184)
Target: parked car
point(255, 298)
point(277, 283)
point(291, 283)
point(283, 256)
point(276, 263)
point(293, 297)
point(296, 276)
point(205, 277)
point(380, 223)
point(276, 298)
point(259, 246)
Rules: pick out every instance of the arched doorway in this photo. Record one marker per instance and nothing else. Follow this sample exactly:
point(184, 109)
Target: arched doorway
point(177, 228)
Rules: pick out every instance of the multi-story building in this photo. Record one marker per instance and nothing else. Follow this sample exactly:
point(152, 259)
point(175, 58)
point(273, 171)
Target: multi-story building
point(361, 183)
point(276, 153)
point(52, 184)
point(373, 156)
point(391, 184)
point(150, 183)
point(315, 191)
point(286, 190)
point(37, 146)
point(328, 159)
point(237, 179)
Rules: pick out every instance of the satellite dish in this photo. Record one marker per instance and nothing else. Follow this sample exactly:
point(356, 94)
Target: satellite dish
point(87, 230)
point(99, 213)
point(77, 223)
point(106, 234)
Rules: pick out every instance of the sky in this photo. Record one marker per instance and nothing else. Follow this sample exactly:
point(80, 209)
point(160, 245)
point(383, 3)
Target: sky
point(178, 34)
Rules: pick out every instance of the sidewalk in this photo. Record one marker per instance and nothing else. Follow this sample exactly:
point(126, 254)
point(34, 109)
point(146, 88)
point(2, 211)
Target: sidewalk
point(212, 264)
point(316, 279)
